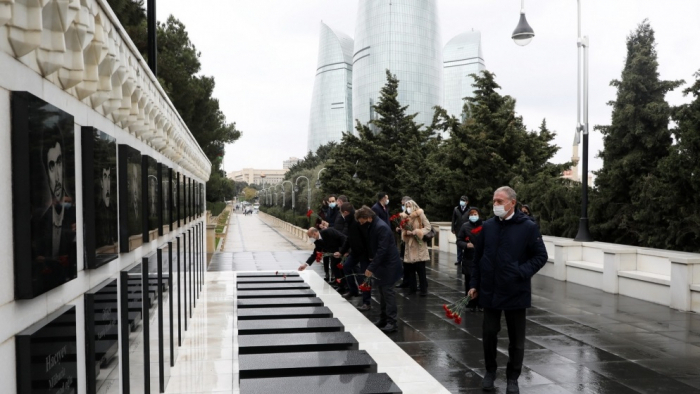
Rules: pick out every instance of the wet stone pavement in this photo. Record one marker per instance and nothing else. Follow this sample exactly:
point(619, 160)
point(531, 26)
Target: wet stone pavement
point(579, 339)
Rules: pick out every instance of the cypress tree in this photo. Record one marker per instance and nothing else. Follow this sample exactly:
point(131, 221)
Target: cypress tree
point(635, 142)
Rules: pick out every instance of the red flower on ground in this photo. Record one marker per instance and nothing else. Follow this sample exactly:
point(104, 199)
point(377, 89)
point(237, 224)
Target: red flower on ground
point(309, 213)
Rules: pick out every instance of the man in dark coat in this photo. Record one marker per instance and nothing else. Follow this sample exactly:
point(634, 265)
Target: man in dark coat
point(467, 238)
point(325, 241)
point(384, 266)
point(381, 207)
point(357, 261)
point(460, 215)
point(508, 255)
point(340, 223)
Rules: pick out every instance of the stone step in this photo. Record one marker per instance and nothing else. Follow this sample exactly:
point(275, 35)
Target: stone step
point(305, 364)
point(375, 383)
point(257, 327)
point(297, 342)
point(275, 293)
point(272, 286)
point(279, 302)
point(270, 279)
point(283, 313)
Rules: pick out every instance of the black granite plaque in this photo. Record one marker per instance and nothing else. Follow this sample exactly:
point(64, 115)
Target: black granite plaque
point(131, 198)
point(305, 364)
point(374, 383)
point(275, 293)
point(296, 342)
point(279, 302)
point(256, 327)
point(266, 274)
point(164, 192)
point(284, 313)
point(43, 196)
point(273, 286)
point(46, 355)
point(272, 279)
point(134, 343)
point(151, 185)
point(175, 201)
point(180, 290)
point(161, 336)
point(101, 337)
point(100, 203)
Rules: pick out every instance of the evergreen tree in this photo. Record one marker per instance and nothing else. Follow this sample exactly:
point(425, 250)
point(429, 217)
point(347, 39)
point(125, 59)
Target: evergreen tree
point(635, 142)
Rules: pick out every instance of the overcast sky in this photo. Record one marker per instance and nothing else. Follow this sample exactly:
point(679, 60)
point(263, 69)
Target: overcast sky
point(263, 55)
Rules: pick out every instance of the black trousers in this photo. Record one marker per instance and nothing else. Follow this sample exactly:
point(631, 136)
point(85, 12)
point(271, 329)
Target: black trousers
point(327, 266)
point(515, 321)
point(410, 278)
point(387, 303)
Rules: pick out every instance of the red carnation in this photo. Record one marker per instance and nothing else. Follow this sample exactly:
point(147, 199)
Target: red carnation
point(339, 266)
point(476, 230)
point(309, 213)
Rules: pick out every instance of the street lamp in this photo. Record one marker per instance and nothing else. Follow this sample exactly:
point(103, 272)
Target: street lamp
point(318, 178)
point(355, 177)
point(308, 184)
point(523, 33)
point(284, 193)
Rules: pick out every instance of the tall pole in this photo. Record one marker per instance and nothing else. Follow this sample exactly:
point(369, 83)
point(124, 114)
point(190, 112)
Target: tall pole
point(583, 234)
point(152, 37)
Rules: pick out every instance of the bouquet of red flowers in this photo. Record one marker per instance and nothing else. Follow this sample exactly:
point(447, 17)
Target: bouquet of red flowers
point(342, 263)
point(395, 219)
point(319, 256)
point(406, 225)
point(456, 310)
point(365, 287)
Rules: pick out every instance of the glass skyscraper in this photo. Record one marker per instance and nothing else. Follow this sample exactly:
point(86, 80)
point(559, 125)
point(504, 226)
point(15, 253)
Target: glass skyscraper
point(331, 103)
point(462, 57)
point(404, 37)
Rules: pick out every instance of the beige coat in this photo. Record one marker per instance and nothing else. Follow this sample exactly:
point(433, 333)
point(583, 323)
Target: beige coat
point(416, 251)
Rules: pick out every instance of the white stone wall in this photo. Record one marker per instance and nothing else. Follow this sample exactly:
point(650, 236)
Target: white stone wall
point(74, 55)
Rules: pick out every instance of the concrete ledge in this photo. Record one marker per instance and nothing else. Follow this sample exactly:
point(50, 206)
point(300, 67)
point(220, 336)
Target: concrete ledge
point(646, 277)
point(586, 265)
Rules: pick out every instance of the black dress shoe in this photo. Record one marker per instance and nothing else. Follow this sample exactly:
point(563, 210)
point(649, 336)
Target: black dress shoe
point(389, 328)
point(380, 323)
point(512, 387)
point(364, 308)
point(402, 286)
point(487, 383)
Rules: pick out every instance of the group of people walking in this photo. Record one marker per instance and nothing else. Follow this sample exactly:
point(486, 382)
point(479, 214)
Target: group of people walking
point(497, 257)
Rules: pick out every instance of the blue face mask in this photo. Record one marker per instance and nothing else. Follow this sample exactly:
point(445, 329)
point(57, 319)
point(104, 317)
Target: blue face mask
point(473, 219)
point(403, 208)
point(462, 203)
point(332, 205)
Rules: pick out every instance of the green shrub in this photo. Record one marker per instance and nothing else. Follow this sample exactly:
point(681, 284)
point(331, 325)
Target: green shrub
point(216, 207)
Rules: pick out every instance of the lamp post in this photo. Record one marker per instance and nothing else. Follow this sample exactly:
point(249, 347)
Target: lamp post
point(308, 184)
point(522, 35)
point(284, 193)
point(318, 178)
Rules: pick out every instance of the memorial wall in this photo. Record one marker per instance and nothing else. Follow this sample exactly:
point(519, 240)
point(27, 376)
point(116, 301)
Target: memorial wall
point(102, 230)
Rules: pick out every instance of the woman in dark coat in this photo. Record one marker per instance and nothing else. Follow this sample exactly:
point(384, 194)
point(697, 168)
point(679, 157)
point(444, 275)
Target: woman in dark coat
point(467, 237)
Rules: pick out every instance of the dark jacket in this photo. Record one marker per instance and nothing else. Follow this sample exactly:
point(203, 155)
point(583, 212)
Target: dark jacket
point(508, 255)
point(381, 212)
point(356, 241)
point(330, 242)
point(331, 215)
point(459, 217)
point(385, 265)
point(340, 224)
point(470, 232)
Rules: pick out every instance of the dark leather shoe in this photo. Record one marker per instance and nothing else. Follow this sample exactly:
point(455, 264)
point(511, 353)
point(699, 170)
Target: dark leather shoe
point(364, 308)
point(512, 387)
point(402, 286)
point(389, 328)
point(487, 383)
point(380, 323)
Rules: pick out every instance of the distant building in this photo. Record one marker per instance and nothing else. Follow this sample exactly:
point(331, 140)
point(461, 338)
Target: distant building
point(331, 102)
point(287, 164)
point(461, 57)
point(257, 177)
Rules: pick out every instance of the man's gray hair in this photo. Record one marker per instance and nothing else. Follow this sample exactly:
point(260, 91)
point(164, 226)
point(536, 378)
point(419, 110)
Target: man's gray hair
point(508, 191)
point(405, 198)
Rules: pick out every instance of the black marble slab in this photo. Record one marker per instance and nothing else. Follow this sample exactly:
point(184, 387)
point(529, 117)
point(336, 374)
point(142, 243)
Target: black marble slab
point(265, 274)
point(296, 342)
point(279, 302)
point(271, 279)
point(46, 354)
point(284, 313)
point(275, 293)
point(273, 286)
point(101, 335)
point(305, 364)
point(253, 327)
point(374, 383)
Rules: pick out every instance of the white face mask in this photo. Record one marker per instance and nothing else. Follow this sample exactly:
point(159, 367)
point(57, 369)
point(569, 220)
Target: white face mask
point(499, 210)
point(408, 210)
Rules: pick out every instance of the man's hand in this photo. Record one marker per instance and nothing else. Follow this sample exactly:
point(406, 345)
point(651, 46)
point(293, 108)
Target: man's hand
point(336, 255)
point(473, 294)
point(368, 273)
point(398, 229)
point(470, 245)
point(303, 267)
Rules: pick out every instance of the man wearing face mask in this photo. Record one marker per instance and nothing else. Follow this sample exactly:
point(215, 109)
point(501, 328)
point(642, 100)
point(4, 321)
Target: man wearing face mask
point(508, 255)
point(468, 236)
point(381, 207)
point(460, 215)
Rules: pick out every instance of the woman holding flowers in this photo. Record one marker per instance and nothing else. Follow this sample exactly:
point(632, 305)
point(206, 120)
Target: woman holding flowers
point(414, 225)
